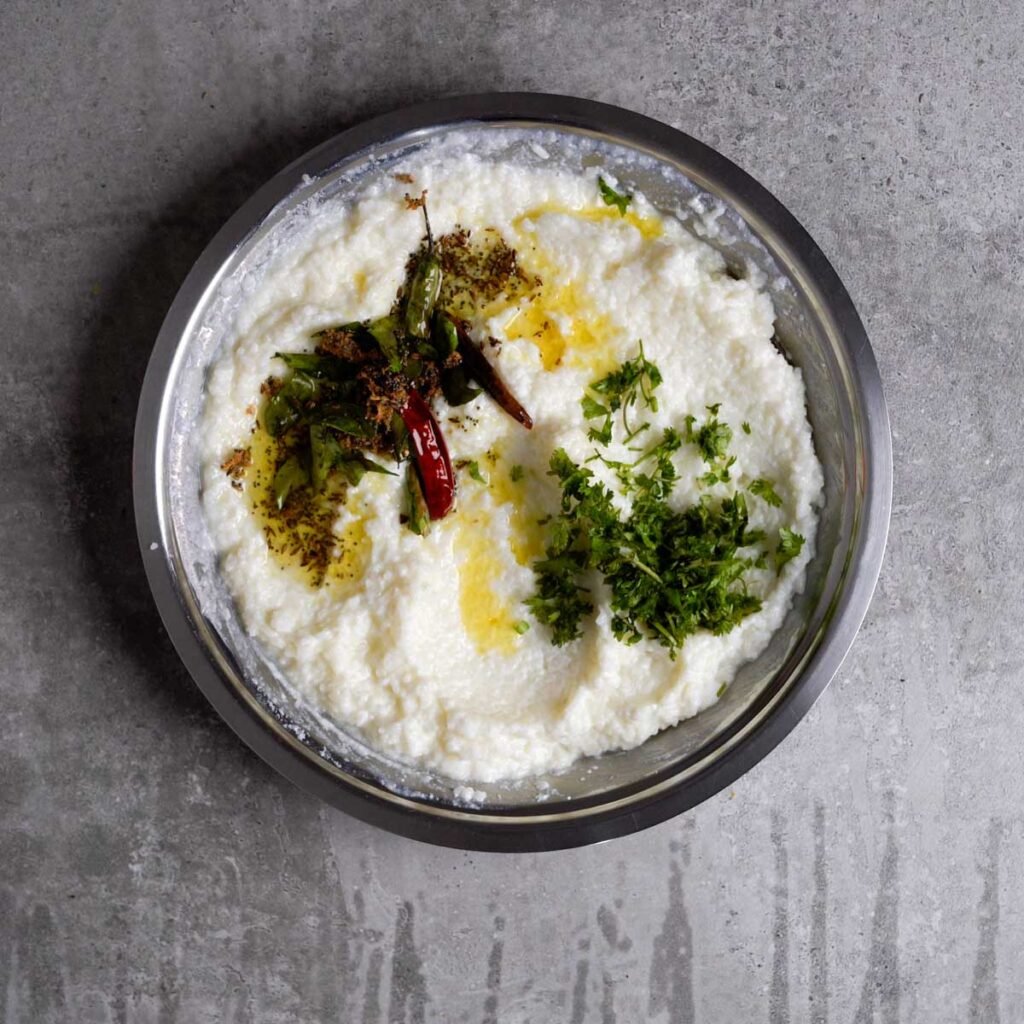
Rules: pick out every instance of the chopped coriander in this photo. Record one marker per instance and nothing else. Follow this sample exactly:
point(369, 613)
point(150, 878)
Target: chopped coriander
point(712, 437)
point(722, 689)
point(515, 474)
point(746, 427)
point(763, 489)
point(791, 544)
point(559, 601)
point(658, 482)
point(634, 381)
point(521, 627)
point(621, 200)
point(719, 472)
point(473, 468)
point(669, 573)
point(592, 408)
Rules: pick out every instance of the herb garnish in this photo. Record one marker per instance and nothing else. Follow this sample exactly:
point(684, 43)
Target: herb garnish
point(635, 380)
point(515, 474)
point(613, 198)
point(763, 489)
point(712, 439)
point(473, 468)
point(791, 544)
point(670, 573)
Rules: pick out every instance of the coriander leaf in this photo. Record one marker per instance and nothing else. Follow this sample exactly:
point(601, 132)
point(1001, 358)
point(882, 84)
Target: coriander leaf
point(658, 482)
point(791, 544)
point(713, 439)
point(719, 473)
point(669, 573)
point(634, 381)
point(603, 434)
point(473, 468)
point(746, 427)
point(559, 602)
point(516, 473)
point(620, 200)
point(521, 627)
point(763, 489)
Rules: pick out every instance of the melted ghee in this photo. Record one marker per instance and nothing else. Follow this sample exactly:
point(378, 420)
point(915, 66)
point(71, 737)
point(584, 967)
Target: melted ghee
point(558, 317)
point(355, 547)
point(488, 618)
point(290, 540)
point(563, 325)
point(649, 227)
point(527, 540)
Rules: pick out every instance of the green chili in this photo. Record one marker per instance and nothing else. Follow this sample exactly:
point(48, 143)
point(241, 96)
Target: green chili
point(424, 289)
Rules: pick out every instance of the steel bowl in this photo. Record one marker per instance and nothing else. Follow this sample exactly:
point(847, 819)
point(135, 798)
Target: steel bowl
point(597, 798)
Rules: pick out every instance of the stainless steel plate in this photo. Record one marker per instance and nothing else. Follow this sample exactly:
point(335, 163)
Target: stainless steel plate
point(598, 798)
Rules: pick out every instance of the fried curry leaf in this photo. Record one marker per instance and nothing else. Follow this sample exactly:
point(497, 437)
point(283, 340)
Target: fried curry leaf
point(456, 387)
point(290, 476)
point(385, 332)
point(315, 365)
point(325, 453)
point(353, 466)
point(445, 335)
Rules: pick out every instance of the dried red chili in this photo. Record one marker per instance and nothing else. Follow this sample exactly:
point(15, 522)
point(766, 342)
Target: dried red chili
point(431, 455)
point(479, 367)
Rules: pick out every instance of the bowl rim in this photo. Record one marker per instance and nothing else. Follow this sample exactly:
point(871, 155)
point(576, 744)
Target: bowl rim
point(511, 830)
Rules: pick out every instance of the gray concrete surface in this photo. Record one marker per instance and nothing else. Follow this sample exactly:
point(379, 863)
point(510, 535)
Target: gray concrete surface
point(152, 870)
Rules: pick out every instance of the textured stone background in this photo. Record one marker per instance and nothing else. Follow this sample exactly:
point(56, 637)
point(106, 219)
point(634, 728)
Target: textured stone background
point(153, 870)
